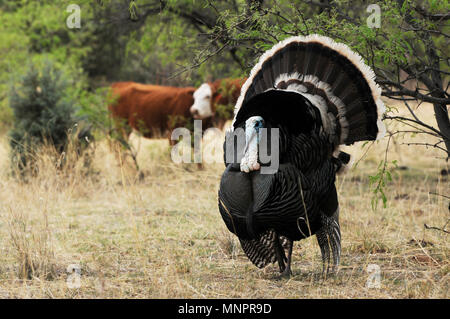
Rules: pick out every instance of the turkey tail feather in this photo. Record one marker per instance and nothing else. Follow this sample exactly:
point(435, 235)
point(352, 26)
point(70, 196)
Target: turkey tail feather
point(331, 76)
point(263, 250)
point(329, 239)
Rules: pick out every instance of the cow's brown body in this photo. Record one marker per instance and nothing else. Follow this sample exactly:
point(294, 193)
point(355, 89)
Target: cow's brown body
point(153, 110)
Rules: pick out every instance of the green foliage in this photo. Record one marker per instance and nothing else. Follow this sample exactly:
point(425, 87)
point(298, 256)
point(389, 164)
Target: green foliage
point(225, 111)
point(31, 32)
point(378, 182)
point(43, 113)
point(98, 117)
point(133, 10)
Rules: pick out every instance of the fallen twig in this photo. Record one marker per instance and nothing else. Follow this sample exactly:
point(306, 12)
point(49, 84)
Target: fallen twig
point(437, 228)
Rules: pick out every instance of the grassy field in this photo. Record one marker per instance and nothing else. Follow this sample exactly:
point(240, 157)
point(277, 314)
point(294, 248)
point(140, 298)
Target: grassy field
point(162, 236)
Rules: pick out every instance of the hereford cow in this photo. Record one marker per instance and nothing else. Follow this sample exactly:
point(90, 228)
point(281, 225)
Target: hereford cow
point(151, 109)
point(217, 99)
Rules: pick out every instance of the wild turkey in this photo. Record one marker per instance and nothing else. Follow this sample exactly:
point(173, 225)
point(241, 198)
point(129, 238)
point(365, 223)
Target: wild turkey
point(319, 94)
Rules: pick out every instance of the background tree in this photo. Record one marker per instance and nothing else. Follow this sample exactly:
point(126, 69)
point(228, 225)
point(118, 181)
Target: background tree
point(43, 113)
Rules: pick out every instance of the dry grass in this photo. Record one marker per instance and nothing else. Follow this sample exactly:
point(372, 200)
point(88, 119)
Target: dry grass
point(163, 237)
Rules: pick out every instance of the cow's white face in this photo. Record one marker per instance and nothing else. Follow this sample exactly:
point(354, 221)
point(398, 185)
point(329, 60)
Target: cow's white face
point(202, 102)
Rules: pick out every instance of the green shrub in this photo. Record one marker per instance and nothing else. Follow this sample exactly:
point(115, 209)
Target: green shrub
point(44, 113)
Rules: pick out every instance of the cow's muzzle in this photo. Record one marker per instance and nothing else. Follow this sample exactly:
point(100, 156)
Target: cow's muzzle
point(195, 113)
